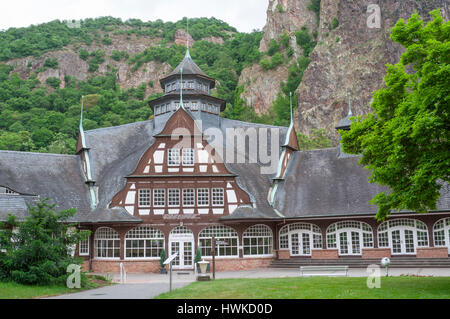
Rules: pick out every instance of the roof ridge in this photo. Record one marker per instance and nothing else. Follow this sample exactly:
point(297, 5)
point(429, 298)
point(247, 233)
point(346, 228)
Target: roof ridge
point(117, 126)
point(41, 154)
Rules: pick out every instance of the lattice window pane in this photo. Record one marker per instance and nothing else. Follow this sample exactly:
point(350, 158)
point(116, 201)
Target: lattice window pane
point(439, 238)
point(174, 197)
point(188, 156)
point(159, 197)
point(174, 157)
point(218, 196)
point(144, 197)
point(203, 197)
point(188, 197)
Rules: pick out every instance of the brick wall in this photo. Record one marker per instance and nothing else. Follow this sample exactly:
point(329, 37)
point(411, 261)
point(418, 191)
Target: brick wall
point(324, 254)
point(375, 253)
point(131, 266)
point(241, 263)
point(432, 252)
point(283, 254)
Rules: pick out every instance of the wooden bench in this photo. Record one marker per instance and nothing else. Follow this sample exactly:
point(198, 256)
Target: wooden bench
point(324, 271)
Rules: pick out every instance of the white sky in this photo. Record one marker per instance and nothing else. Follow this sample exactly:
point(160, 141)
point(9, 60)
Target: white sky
point(244, 15)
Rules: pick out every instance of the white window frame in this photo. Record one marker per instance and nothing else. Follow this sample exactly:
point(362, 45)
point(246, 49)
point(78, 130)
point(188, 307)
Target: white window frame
point(156, 196)
point(188, 156)
point(200, 199)
point(173, 157)
point(219, 202)
point(171, 193)
point(192, 191)
point(220, 232)
point(107, 235)
point(253, 235)
point(86, 249)
point(143, 234)
point(315, 237)
point(148, 199)
point(349, 226)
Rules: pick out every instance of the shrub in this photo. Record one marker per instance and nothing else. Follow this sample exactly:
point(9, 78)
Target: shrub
point(334, 23)
point(84, 54)
point(51, 63)
point(274, 47)
point(53, 82)
point(39, 249)
point(162, 257)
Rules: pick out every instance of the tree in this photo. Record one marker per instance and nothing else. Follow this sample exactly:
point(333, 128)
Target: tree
point(39, 249)
point(405, 141)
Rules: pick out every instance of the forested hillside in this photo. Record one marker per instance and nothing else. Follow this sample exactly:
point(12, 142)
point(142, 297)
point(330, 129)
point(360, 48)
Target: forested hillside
point(40, 112)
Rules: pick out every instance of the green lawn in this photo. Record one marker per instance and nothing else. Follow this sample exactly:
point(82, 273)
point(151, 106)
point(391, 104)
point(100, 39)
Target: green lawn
point(316, 288)
point(12, 290)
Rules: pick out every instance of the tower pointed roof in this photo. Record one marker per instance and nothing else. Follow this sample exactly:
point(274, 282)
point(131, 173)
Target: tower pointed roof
point(345, 123)
point(189, 68)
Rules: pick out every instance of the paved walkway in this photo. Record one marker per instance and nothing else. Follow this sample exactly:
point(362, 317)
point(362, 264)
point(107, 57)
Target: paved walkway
point(145, 286)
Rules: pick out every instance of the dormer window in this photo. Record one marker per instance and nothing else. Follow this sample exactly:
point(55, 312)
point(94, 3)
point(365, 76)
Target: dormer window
point(7, 191)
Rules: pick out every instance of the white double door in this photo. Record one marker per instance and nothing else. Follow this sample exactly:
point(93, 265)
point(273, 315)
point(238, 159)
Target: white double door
point(349, 242)
point(403, 241)
point(185, 249)
point(300, 243)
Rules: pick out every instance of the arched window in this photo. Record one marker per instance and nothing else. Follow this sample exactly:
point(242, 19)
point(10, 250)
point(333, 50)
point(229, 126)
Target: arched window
point(221, 233)
point(299, 238)
point(441, 233)
point(107, 243)
point(349, 237)
point(257, 240)
point(144, 242)
point(403, 235)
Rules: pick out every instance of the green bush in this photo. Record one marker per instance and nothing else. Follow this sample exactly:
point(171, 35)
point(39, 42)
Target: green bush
point(162, 257)
point(334, 23)
point(274, 47)
point(53, 82)
point(51, 63)
point(39, 250)
point(84, 54)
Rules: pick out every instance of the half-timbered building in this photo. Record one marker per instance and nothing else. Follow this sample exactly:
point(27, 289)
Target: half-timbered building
point(176, 181)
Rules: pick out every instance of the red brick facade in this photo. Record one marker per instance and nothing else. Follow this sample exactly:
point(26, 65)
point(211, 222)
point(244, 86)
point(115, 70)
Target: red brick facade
point(324, 254)
point(375, 253)
point(432, 252)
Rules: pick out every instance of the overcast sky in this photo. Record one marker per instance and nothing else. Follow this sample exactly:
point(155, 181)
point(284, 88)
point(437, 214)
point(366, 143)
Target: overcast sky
point(244, 15)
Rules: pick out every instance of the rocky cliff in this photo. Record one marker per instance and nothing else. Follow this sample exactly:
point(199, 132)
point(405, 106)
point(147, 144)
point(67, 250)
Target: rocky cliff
point(350, 55)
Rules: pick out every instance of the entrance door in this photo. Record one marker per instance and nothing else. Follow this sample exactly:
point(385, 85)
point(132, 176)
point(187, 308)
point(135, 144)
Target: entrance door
point(300, 244)
point(403, 241)
point(184, 260)
point(349, 243)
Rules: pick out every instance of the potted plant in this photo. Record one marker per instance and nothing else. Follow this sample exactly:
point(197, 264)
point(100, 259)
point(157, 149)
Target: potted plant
point(162, 259)
point(197, 258)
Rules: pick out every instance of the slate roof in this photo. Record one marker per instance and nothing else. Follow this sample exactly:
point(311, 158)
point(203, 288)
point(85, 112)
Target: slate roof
point(328, 183)
point(58, 177)
point(115, 153)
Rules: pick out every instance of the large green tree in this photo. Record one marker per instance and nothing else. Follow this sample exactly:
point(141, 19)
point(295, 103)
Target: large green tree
point(405, 140)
